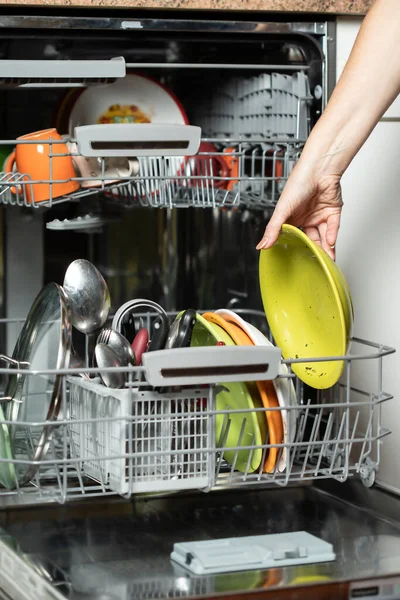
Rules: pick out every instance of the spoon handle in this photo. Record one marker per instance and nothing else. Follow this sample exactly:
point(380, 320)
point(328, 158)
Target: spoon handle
point(75, 362)
point(139, 344)
point(90, 344)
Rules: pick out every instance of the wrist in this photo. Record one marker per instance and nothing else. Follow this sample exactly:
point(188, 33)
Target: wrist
point(326, 164)
point(325, 157)
point(336, 139)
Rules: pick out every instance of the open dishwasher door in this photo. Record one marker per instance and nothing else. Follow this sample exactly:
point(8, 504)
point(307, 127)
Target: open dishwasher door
point(121, 550)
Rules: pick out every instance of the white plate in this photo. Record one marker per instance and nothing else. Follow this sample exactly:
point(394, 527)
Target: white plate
point(283, 386)
point(154, 100)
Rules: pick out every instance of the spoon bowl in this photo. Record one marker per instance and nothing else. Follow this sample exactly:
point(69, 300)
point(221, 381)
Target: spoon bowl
point(119, 344)
point(105, 358)
point(88, 296)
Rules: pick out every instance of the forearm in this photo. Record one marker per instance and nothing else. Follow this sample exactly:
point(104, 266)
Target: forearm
point(368, 85)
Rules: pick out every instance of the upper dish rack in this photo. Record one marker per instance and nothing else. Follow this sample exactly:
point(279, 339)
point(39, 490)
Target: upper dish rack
point(227, 173)
point(253, 130)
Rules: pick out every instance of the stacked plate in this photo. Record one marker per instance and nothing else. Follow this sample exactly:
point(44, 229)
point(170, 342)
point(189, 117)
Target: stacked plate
point(252, 429)
point(308, 306)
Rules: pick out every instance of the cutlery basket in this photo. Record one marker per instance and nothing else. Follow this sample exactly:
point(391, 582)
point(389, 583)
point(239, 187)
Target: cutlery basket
point(142, 441)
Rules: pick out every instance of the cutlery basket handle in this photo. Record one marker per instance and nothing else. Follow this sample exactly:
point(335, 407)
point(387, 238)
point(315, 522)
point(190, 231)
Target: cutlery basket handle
point(183, 366)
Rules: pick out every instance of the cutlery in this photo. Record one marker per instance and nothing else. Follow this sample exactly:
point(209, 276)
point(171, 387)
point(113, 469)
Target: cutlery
point(119, 344)
point(106, 357)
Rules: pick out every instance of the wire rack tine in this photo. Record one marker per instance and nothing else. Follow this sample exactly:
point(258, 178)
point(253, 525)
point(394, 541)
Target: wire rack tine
point(337, 444)
point(309, 447)
point(239, 443)
point(323, 447)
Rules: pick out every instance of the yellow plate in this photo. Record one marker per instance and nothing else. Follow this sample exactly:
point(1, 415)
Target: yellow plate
point(343, 289)
point(303, 306)
point(310, 579)
point(234, 396)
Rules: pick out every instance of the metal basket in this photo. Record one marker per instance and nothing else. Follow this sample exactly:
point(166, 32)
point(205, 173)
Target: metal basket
point(255, 174)
point(168, 431)
point(256, 127)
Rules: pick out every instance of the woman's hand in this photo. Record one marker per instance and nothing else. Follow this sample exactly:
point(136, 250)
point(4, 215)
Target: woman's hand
point(368, 85)
point(314, 205)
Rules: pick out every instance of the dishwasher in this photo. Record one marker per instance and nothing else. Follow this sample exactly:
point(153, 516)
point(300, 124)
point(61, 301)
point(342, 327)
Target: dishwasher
point(99, 489)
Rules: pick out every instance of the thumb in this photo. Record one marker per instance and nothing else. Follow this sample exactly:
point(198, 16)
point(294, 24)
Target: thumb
point(273, 228)
point(333, 223)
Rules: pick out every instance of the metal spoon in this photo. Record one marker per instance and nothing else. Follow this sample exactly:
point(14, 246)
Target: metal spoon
point(75, 362)
point(88, 296)
point(119, 344)
point(106, 357)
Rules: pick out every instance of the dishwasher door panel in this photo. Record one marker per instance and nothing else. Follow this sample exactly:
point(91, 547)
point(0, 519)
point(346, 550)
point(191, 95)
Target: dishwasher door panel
point(122, 550)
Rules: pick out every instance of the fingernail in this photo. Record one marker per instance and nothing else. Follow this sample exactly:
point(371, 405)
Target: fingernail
point(262, 244)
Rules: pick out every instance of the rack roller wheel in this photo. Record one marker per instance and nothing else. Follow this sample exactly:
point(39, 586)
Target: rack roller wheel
point(368, 472)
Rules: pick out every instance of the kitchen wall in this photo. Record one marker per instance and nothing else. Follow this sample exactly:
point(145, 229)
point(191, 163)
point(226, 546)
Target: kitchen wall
point(369, 253)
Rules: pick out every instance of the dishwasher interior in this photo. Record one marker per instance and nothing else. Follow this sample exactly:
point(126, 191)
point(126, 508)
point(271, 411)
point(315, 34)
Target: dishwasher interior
point(96, 509)
point(190, 257)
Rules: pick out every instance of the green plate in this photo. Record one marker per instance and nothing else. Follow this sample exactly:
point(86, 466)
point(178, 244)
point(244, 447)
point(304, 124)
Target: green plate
point(234, 396)
point(8, 476)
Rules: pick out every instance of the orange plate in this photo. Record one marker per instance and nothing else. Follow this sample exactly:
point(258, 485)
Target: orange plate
point(266, 390)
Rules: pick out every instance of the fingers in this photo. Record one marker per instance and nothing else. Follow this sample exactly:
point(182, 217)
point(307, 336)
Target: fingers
point(324, 215)
point(313, 234)
point(330, 250)
point(333, 224)
point(273, 228)
point(318, 235)
point(328, 231)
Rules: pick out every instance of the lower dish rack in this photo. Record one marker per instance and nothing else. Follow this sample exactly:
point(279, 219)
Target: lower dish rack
point(176, 426)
